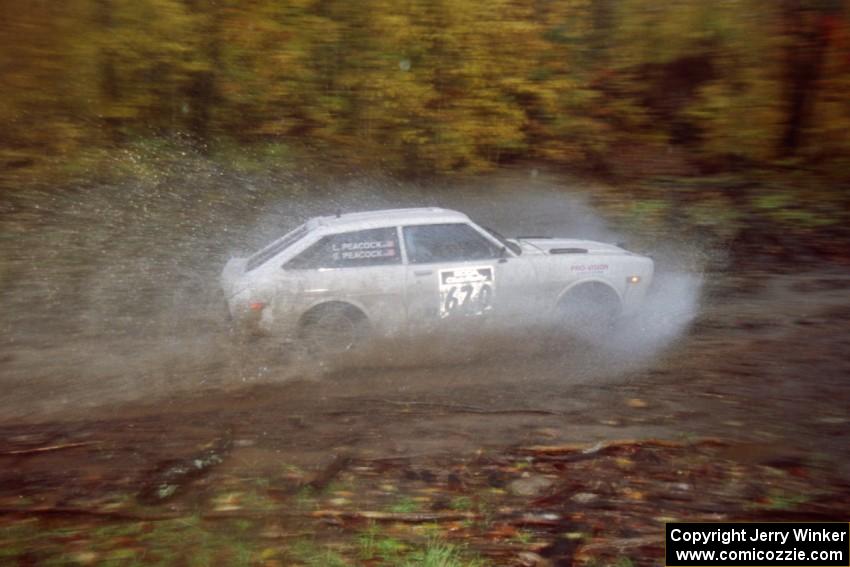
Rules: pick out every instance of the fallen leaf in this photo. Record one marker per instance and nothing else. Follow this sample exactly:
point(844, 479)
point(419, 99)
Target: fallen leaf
point(633, 494)
point(502, 531)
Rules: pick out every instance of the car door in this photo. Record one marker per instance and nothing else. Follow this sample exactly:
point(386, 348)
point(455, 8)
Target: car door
point(456, 275)
point(363, 268)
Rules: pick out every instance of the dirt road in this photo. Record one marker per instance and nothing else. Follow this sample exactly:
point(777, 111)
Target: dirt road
point(743, 376)
point(763, 370)
point(765, 362)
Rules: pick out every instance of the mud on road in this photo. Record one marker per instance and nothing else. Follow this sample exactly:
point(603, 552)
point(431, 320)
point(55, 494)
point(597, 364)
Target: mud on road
point(744, 417)
point(765, 362)
point(134, 430)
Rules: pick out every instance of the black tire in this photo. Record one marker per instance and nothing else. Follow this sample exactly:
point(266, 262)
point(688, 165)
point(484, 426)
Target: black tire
point(590, 311)
point(333, 330)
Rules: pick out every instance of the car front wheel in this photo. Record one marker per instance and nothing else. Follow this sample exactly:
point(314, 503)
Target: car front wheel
point(590, 311)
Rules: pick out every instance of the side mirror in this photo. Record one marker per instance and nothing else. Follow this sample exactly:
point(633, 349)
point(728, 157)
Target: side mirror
point(503, 255)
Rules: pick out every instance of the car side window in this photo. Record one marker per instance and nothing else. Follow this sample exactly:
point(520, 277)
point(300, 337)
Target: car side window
point(456, 242)
point(374, 247)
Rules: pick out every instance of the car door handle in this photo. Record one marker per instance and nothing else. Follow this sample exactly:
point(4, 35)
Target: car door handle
point(422, 272)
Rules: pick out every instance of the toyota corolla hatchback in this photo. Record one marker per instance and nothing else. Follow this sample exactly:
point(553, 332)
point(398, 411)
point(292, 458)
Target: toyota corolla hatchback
point(335, 281)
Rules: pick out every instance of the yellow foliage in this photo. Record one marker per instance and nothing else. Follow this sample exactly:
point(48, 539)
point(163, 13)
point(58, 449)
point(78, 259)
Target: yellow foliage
point(424, 85)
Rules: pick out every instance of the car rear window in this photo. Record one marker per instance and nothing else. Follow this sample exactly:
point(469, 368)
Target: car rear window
point(373, 247)
point(275, 248)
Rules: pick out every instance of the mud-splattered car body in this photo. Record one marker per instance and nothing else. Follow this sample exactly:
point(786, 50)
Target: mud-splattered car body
point(404, 271)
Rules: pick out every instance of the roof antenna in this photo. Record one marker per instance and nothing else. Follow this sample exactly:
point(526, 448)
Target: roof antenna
point(338, 213)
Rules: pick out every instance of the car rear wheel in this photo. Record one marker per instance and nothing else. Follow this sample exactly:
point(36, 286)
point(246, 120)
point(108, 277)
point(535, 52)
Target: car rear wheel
point(333, 329)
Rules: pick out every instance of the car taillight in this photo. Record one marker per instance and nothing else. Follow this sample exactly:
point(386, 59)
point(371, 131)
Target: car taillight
point(257, 306)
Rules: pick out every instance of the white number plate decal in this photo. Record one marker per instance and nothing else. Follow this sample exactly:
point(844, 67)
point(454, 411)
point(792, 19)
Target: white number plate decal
point(466, 291)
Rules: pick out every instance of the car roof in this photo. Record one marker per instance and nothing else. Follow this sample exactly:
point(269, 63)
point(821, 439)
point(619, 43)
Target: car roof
point(386, 217)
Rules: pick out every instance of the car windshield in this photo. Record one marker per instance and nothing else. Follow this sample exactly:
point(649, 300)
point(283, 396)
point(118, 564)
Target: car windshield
point(275, 248)
point(515, 248)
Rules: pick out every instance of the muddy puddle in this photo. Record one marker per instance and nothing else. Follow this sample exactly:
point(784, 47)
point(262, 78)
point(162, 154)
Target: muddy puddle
point(111, 292)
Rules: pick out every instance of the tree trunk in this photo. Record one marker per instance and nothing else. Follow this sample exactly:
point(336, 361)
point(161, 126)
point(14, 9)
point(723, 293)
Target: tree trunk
point(108, 75)
point(201, 93)
point(805, 53)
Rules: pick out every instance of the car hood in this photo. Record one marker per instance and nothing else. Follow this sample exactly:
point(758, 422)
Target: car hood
point(566, 246)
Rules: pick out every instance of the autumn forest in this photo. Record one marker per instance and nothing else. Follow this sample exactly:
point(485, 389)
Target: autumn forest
point(435, 86)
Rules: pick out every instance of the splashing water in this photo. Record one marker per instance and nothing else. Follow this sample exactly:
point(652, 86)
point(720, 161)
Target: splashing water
point(111, 291)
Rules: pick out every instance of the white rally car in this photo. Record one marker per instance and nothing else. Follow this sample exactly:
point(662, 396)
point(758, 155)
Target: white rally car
point(335, 280)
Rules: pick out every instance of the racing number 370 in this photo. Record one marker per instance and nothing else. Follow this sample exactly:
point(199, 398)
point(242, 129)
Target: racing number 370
point(467, 291)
